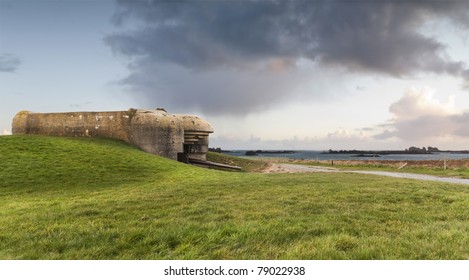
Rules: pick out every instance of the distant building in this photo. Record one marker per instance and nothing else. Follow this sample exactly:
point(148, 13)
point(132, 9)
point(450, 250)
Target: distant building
point(178, 137)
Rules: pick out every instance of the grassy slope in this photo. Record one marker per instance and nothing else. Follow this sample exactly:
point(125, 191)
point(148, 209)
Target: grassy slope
point(246, 164)
point(101, 199)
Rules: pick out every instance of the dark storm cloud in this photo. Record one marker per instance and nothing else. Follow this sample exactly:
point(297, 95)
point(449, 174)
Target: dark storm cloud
point(9, 63)
point(367, 36)
point(384, 37)
point(225, 91)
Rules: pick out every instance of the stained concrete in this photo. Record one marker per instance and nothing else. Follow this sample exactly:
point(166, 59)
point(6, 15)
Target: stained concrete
point(153, 131)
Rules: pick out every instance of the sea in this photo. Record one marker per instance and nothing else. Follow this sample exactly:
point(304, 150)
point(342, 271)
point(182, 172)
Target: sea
point(320, 155)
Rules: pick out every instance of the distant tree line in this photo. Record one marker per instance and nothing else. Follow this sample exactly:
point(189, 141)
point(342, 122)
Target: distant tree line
point(218, 150)
point(423, 150)
point(411, 150)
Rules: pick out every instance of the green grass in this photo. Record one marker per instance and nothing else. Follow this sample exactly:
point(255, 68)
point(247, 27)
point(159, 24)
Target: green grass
point(245, 164)
point(102, 199)
point(435, 170)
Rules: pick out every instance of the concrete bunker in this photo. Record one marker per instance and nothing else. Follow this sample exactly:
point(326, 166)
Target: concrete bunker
point(178, 137)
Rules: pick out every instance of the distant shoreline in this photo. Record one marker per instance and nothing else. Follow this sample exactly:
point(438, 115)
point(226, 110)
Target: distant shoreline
point(353, 154)
point(391, 152)
point(257, 152)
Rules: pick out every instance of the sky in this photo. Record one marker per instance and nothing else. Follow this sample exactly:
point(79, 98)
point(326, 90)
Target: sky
point(267, 74)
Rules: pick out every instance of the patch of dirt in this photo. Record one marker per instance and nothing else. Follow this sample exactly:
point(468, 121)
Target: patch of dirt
point(295, 168)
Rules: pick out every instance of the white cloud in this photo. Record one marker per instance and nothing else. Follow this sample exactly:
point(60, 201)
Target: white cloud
point(419, 116)
point(420, 102)
point(344, 134)
point(6, 132)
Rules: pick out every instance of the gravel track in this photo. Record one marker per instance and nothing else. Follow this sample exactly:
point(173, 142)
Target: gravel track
point(296, 168)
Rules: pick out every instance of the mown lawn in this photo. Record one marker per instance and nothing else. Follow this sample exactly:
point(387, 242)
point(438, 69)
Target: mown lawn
point(102, 199)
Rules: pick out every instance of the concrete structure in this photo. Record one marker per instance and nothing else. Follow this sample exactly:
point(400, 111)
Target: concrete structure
point(179, 137)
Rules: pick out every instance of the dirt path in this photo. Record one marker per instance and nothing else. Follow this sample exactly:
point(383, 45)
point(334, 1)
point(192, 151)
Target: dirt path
point(296, 168)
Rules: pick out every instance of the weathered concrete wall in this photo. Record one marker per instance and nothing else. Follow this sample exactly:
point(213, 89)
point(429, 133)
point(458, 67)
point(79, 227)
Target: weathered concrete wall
point(196, 133)
point(153, 131)
point(157, 132)
point(75, 124)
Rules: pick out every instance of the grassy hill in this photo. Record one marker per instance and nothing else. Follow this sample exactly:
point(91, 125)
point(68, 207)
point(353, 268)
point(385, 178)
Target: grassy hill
point(65, 198)
point(246, 164)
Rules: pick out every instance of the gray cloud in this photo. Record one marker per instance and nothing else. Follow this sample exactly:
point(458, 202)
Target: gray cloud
point(429, 127)
point(9, 63)
point(78, 105)
point(242, 38)
point(225, 91)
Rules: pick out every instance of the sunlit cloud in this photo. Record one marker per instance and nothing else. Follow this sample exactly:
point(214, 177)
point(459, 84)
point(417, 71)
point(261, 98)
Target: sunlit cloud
point(418, 115)
point(419, 102)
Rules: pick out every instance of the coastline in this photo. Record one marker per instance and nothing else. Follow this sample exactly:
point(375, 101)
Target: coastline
point(320, 155)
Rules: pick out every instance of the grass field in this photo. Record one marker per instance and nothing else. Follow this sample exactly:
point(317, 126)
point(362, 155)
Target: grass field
point(453, 168)
point(246, 164)
point(102, 199)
